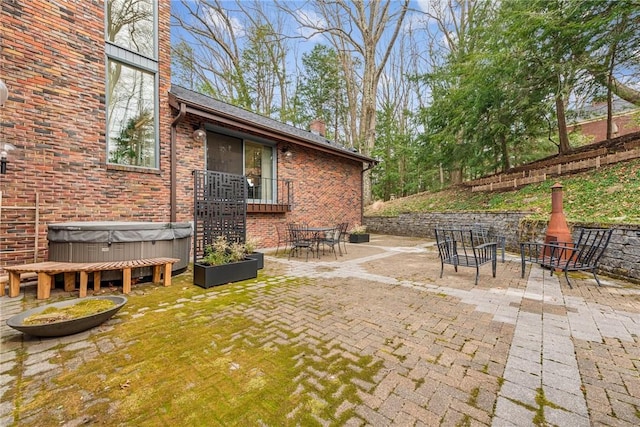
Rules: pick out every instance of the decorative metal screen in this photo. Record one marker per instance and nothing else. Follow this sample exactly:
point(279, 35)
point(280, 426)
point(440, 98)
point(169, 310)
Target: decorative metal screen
point(220, 209)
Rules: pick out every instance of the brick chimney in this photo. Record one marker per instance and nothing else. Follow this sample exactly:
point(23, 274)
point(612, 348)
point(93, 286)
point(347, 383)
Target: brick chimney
point(318, 127)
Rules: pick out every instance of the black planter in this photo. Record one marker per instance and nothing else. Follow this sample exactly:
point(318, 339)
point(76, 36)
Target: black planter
point(207, 276)
point(359, 238)
point(259, 256)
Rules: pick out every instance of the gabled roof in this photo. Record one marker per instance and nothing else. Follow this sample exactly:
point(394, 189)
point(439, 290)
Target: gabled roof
point(238, 118)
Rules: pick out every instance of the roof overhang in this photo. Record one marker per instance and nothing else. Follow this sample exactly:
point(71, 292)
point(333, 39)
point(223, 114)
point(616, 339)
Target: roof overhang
point(262, 127)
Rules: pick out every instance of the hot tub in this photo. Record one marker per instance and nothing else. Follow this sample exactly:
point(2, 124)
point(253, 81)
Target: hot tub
point(99, 241)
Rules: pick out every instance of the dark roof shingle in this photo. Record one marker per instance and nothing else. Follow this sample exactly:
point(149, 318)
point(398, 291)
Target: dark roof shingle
point(207, 103)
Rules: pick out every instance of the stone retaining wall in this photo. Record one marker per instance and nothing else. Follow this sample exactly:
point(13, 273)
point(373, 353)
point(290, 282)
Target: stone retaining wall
point(622, 258)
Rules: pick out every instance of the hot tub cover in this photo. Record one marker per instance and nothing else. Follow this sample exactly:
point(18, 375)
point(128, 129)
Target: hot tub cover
point(117, 231)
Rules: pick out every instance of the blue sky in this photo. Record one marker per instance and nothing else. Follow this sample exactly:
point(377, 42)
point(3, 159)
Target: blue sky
point(301, 39)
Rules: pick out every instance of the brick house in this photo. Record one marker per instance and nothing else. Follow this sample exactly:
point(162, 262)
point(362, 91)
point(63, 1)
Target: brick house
point(592, 121)
point(100, 134)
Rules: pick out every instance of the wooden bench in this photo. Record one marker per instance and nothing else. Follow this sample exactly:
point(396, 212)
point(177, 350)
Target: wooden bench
point(47, 270)
point(581, 255)
point(465, 248)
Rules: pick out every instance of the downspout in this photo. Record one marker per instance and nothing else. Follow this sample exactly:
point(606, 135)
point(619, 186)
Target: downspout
point(174, 158)
point(370, 166)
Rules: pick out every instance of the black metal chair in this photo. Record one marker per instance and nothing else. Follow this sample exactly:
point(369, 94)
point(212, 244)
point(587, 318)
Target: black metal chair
point(488, 235)
point(284, 237)
point(331, 239)
point(300, 239)
point(462, 247)
point(582, 255)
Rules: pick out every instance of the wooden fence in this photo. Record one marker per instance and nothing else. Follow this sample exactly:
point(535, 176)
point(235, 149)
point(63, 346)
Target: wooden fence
point(582, 161)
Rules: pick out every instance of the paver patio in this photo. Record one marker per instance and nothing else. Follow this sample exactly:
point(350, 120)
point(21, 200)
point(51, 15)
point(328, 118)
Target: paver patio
point(509, 351)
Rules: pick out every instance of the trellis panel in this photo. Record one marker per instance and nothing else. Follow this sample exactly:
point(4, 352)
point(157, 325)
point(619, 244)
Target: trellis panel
point(220, 209)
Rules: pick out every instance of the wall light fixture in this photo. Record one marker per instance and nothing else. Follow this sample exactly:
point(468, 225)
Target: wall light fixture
point(5, 147)
point(286, 151)
point(199, 134)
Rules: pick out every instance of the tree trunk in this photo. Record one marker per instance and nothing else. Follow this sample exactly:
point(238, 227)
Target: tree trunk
point(627, 93)
point(609, 113)
point(366, 188)
point(564, 147)
point(456, 176)
point(506, 162)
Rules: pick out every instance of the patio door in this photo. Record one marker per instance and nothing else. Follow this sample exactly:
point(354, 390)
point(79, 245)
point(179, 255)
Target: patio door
point(224, 153)
point(258, 166)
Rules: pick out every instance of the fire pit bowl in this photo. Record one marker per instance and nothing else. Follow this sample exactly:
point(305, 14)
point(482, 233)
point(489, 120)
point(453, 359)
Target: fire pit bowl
point(65, 327)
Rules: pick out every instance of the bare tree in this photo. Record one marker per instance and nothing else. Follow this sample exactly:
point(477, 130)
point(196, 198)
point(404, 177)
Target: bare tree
point(364, 34)
point(212, 50)
point(234, 51)
point(267, 53)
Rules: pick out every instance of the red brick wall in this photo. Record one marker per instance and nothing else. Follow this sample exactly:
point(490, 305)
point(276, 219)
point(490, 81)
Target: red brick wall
point(327, 189)
point(596, 130)
point(53, 62)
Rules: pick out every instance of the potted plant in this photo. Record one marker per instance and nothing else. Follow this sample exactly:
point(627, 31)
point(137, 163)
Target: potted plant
point(224, 263)
point(250, 250)
point(358, 234)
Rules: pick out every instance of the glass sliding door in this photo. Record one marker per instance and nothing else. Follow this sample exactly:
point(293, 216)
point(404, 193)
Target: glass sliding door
point(224, 153)
point(258, 166)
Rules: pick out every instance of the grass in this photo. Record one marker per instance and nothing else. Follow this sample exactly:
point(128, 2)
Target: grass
point(183, 355)
point(607, 195)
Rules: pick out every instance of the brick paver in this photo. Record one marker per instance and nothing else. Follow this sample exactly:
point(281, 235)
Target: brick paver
point(509, 351)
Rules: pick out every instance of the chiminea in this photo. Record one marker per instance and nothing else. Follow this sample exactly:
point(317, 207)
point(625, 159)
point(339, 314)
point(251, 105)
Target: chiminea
point(557, 230)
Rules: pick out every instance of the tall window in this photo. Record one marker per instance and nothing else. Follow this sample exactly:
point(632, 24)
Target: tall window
point(132, 82)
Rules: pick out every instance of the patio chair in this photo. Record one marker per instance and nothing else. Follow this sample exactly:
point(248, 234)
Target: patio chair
point(300, 239)
point(344, 236)
point(488, 235)
point(582, 255)
point(331, 239)
point(463, 248)
point(284, 237)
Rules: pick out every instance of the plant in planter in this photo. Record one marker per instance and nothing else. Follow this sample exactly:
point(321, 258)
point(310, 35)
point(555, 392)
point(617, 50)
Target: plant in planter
point(358, 234)
point(250, 250)
point(224, 263)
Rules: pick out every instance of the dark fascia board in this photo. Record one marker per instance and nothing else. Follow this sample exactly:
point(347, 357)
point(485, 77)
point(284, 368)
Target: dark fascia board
point(210, 108)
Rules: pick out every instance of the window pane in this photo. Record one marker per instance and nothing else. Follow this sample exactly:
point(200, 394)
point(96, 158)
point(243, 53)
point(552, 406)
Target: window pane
point(131, 116)
point(130, 24)
point(224, 153)
point(259, 170)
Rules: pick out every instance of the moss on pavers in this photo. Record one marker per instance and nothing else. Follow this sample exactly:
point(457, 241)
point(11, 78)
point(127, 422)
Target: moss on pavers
point(183, 355)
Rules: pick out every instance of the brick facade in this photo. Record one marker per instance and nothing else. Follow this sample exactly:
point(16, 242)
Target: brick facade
point(327, 189)
point(596, 129)
point(52, 60)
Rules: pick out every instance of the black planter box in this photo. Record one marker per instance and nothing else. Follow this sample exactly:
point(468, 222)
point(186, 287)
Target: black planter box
point(207, 276)
point(259, 256)
point(358, 238)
